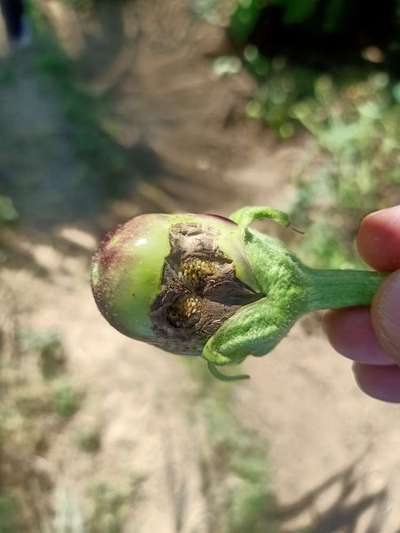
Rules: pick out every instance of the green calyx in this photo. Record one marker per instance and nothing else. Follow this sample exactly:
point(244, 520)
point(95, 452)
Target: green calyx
point(291, 289)
point(210, 286)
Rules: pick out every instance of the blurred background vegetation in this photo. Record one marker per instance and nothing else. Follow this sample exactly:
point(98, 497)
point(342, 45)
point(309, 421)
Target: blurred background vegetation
point(323, 74)
point(330, 68)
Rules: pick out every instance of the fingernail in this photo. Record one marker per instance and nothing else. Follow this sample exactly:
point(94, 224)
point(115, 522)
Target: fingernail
point(386, 315)
point(387, 211)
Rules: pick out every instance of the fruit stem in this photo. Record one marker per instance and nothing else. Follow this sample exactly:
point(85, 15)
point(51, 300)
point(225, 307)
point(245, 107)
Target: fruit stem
point(332, 289)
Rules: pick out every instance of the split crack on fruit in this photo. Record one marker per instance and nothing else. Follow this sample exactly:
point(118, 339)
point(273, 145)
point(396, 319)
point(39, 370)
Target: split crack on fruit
point(199, 290)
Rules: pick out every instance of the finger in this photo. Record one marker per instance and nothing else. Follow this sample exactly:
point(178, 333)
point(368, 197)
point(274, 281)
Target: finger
point(380, 382)
point(378, 239)
point(351, 334)
point(385, 314)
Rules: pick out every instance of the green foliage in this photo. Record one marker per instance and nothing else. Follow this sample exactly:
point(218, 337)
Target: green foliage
point(360, 129)
point(324, 15)
point(247, 13)
point(244, 18)
point(89, 440)
point(65, 400)
point(353, 115)
point(26, 426)
point(248, 503)
point(111, 505)
point(298, 11)
point(356, 143)
point(8, 213)
point(236, 471)
point(9, 513)
point(50, 348)
point(227, 65)
point(283, 87)
point(209, 10)
point(215, 12)
point(284, 82)
point(325, 245)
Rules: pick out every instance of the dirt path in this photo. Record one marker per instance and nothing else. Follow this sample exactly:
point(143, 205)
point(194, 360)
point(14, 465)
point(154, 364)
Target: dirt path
point(333, 452)
point(39, 167)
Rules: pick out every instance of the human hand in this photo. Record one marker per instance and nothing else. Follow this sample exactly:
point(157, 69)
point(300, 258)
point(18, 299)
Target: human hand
point(371, 336)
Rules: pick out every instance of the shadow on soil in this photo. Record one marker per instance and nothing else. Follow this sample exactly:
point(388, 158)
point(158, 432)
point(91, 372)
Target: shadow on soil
point(348, 508)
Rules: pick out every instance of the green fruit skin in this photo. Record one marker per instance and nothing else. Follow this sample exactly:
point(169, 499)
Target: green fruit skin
point(127, 269)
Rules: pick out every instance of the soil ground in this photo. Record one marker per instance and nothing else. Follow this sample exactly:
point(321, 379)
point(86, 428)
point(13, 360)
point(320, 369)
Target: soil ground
point(333, 455)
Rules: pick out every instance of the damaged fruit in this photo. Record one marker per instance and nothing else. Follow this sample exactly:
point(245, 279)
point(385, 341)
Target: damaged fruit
point(212, 286)
point(172, 280)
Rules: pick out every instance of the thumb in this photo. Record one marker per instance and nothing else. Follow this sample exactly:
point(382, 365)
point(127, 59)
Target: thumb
point(385, 313)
